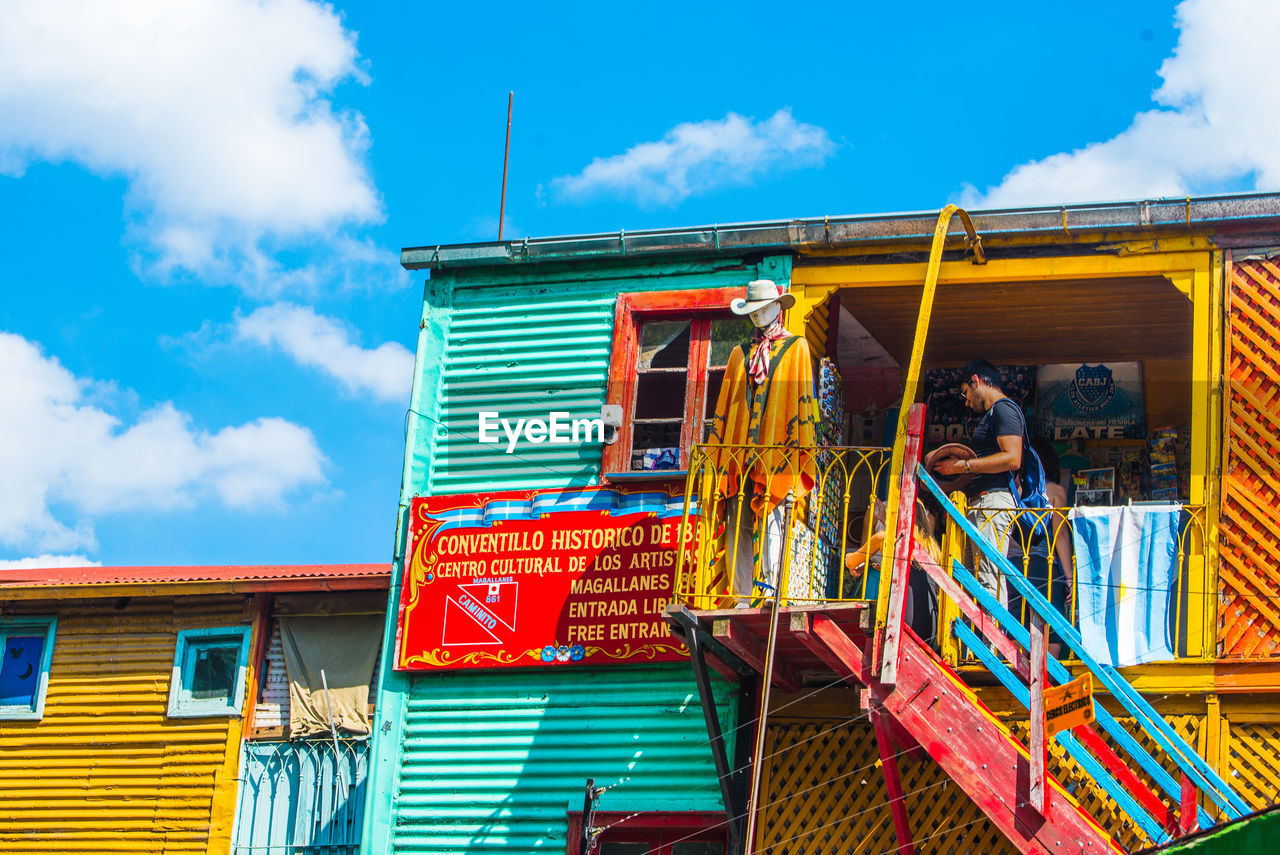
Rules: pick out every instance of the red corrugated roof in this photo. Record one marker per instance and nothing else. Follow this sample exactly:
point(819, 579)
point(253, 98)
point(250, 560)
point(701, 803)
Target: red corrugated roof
point(266, 574)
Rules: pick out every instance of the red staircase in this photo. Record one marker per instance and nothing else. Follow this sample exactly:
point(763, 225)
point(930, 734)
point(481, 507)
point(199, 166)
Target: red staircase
point(917, 702)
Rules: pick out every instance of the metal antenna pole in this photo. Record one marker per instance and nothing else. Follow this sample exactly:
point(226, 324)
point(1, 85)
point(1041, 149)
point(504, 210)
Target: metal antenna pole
point(502, 207)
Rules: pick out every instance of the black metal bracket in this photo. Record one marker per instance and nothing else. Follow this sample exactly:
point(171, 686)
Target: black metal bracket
point(587, 837)
point(685, 624)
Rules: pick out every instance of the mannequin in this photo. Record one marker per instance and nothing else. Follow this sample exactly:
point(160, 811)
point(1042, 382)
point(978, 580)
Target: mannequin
point(766, 399)
point(764, 317)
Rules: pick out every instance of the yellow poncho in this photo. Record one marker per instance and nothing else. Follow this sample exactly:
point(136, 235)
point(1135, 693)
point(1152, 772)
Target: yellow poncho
point(781, 411)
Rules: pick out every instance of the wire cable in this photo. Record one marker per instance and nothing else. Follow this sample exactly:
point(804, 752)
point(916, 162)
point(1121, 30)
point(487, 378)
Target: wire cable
point(736, 769)
point(777, 801)
point(1131, 591)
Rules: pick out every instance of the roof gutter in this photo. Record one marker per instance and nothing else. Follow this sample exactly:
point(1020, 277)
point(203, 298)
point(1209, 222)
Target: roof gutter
point(852, 231)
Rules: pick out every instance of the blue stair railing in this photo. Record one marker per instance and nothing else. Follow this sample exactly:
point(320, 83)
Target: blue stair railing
point(1194, 767)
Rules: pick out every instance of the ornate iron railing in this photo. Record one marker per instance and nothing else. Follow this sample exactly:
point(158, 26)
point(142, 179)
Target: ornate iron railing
point(782, 518)
point(805, 520)
point(1048, 560)
point(304, 797)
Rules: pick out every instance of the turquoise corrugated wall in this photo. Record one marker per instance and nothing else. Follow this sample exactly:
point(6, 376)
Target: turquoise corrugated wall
point(524, 346)
point(526, 341)
point(492, 762)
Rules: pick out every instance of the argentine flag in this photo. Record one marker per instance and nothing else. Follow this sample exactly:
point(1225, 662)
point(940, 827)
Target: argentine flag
point(1126, 564)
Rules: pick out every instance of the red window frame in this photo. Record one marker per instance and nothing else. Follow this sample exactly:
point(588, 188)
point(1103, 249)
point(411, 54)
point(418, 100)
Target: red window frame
point(629, 312)
point(659, 829)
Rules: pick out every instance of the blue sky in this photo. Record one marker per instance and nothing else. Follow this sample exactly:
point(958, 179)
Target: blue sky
point(205, 333)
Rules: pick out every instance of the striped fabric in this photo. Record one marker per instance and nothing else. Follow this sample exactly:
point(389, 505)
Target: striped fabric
point(1126, 567)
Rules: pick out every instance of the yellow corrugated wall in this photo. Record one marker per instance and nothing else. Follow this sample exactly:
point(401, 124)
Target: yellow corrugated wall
point(105, 770)
point(816, 328)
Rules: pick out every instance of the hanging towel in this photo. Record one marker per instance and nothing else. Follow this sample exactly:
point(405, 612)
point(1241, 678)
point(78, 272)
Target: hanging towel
point(1126, 564)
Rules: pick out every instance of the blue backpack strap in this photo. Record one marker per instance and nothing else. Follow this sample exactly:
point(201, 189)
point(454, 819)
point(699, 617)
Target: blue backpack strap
point(1035, 474)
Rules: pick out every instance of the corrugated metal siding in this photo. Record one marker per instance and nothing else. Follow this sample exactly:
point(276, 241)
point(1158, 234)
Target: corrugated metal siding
point(105, 770)
point(523, 349)
point(273, 709)
point(491, 762)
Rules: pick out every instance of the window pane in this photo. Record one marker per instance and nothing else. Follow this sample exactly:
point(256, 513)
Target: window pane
point(608, 848)
point(664, 344)
point(20, 673)
point(655, 446)
point(715, 378)
point(660, 396)
point(213, 671)
point(698, 847)
point(726, 334)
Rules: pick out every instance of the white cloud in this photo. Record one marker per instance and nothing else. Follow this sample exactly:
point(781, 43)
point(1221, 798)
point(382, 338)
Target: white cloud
point(217, 111)
point(320, 342)
point(694, 157)
point(37, 562)
point(64, 459)
point(1213, 123)
point(341, 263)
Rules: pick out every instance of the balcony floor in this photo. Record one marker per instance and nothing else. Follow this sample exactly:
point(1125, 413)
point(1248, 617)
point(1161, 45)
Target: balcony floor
point(807, 653)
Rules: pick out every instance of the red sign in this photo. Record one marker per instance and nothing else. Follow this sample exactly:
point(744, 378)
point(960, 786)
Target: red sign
point(538, 578)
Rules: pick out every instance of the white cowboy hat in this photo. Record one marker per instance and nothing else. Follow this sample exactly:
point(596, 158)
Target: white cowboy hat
point(760, 293)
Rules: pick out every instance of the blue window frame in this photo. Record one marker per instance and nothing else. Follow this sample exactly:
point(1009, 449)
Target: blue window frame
point(209, 672)
point(24, 672)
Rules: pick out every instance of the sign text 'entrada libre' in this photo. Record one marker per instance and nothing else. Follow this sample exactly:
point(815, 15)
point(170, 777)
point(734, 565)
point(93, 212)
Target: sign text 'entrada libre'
point(539, 578)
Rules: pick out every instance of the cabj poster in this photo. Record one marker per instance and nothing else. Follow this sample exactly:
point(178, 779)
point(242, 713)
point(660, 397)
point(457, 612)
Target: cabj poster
point(1083, 401)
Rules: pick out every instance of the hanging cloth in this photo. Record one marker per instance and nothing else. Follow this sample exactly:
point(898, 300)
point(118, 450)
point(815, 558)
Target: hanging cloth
point(345, 648)
point(1126, 560)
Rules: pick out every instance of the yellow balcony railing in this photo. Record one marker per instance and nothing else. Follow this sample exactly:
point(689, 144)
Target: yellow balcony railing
point(771, 518)
point(1050, 562)
point(807, 524)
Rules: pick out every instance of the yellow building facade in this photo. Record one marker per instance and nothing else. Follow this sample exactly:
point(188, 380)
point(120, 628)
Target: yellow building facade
point(111, 764)
point(1202, 311)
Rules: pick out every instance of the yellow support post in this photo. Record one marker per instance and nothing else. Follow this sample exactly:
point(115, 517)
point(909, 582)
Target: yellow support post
point(1204, 431)
point(1215, 439)
point(1215, 733)
point(910, 387)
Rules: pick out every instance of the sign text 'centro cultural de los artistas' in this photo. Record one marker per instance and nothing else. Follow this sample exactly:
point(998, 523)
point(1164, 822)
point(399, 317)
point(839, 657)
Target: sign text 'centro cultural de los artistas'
point(537, 578)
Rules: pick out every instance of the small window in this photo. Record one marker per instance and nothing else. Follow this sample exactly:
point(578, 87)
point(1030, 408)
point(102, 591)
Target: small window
point(664, 842)
point(669, 356)
point(209, 672)
point(24, 673)
point(679, 369)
